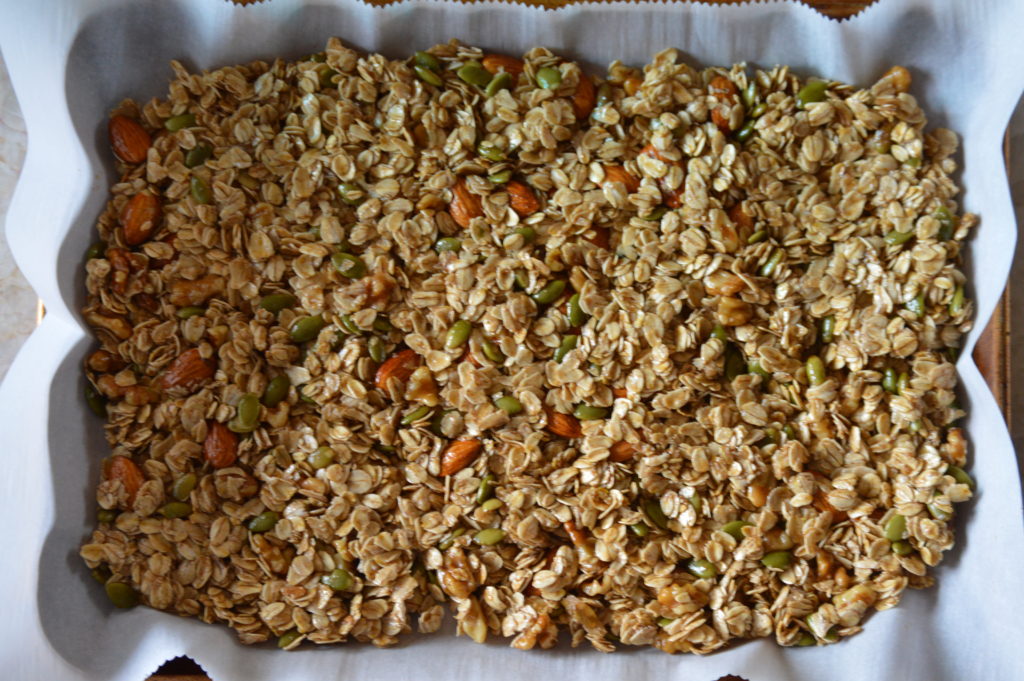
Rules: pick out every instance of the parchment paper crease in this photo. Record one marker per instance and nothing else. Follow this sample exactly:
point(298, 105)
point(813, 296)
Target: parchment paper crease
point(71, 61)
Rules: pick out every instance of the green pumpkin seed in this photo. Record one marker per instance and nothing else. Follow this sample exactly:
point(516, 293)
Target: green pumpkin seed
point(702, 569)
point(938, 512)
point(895, 527)
point(321, 458)
point(277, 390)
point(450, 541)
point(489, 537)
point(960, 475)
point(247, 414)
point(758, 110)
point(718, 331)
point(902, 548)
point(509, 405)
point(788, 430)
point(815, 370)
point(812, 92)
point(754, 367)
point(96, 402)
point(550, 293)
point(176, 509)
point(189, 312)
point(889, 380)
point(490, 152)
point(828, 329)
point(956, 305)
point(735, 365)
point(529, 234)
point(351, 193)
point(773, 436)
point(473, 73)
point(604, 94)
point(805, 640)
point(349, 265)
point(491, 505)
point(744, 134)
point(696, 502)
point(500, 177)
point(306, 328)
point(349, 325)
point(375, 348)
point(567, 345)
point(458, 334)
point(198, 155)
point(97, 250)
point(492, 352)
point(106, 515)
point(275, 302)
point(486, 489)
point(577, 317)
point(428, 76)
point(735, 529)
point(183, 486)
point(779, 560)
point(947, 224)
point(288, 639)
point(585, 412)
point(895, 238)
point(180, 122)
point(448, 245)
point(121, 595)
point(652, 507)
point(338, 580)
point(902, 383)
point(640, 529)
point(549, 78)
point(770, 265)
point(749, 94)
point(665, 621)
point(757, 237)
point(501, 81)
point(916, 305)
point(382, 324)
point(656, 214)
point(264, 522)
point(200, 190)
point(415, 415)
point(325, 75)
point(427, 61)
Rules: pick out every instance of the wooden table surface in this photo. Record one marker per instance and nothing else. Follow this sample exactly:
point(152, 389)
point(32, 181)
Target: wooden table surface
point(990, 353)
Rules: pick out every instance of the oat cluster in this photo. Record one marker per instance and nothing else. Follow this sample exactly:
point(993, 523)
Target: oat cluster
point(663, 358)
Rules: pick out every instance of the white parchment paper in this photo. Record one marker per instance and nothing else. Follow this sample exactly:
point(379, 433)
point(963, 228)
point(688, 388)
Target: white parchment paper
point(71, 61)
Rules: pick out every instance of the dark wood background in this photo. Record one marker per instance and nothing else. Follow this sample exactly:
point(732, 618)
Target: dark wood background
point(990, 353)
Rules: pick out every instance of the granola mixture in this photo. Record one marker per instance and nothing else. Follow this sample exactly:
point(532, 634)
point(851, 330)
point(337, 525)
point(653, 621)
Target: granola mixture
point(662, 359)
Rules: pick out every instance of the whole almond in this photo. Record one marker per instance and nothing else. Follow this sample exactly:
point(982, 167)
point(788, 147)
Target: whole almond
point(578, 536)
point(724, 90)
point(584, 99)
point(140, 217)
point(400, 365)
point(739, 217)
point(124, 470)
point(128, 139)
point(621, 451)
point(563, 425)
point(521, 198)
point(458, 455)
point(465, 205)
point(619, 174)
point(220, 447)
point(500, 62)
point(189, 370)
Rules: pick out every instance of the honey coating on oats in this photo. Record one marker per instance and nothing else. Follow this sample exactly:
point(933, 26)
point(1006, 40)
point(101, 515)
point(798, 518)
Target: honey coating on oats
point(661, 358)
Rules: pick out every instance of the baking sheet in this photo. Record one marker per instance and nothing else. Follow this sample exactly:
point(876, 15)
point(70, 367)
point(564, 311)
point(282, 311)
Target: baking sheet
point(71, 61)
